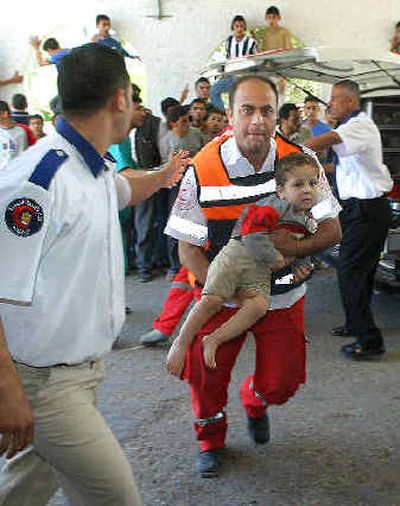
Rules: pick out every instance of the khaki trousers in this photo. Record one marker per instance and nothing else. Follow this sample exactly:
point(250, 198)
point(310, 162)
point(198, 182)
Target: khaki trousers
point(72, 443)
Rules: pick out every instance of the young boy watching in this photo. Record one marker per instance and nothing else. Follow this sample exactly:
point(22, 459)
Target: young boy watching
point(103, 25)
point(275, 36)
point(242, 269)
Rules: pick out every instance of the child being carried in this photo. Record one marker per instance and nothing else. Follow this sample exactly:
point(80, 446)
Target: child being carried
point(242, 269)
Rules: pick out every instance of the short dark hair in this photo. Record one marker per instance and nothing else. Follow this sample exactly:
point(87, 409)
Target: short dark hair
point(197, 101)
point(238, 18)
point(310, 98)
point(88, 76)
point(286, 109)
point(36, 116)
point(351, 86)
point(19, 101)
point(102, 17)
point(272, 10)
point(176, 112)
point(201, 80)
point(397, 24)
point(167, 103)
point(290, 162)
point(51, 44)
point(251, 77)
point(214, 110)
point(4, 107)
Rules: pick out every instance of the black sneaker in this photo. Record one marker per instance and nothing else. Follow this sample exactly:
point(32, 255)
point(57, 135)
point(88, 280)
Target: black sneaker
point(258, 429)
point(358, 351)
point(207, 463)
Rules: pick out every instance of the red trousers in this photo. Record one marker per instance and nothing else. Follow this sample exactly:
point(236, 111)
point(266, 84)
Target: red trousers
point(279, 371)
point(178, 299)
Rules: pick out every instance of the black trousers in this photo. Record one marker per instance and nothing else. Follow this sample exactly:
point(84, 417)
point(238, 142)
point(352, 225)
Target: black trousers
point(365, 225)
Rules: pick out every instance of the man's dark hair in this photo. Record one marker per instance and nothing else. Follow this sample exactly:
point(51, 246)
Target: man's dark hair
point(201, 80)
point(101, 17)
point(350, 86)
point(136, 97)
point(310, 98)
point(286, 109)
point(4, 107)
point(251, 77)
point(19, 102)
point(197, 101)
point(397, 24)
point(51, 44)
point(272, 10)
point(167, 103)
point(88, 76)
point(176, 112)
point(238, 18)
point(290, 162)
point(36, 116)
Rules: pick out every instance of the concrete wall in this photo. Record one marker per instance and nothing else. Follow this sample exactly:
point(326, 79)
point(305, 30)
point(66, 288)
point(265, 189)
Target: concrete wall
point(175, 48)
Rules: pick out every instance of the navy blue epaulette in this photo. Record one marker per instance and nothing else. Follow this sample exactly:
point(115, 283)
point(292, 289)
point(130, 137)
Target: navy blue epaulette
point(46, 169)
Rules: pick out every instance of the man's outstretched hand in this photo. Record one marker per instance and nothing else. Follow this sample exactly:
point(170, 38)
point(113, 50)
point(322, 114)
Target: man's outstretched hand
point(174, 169)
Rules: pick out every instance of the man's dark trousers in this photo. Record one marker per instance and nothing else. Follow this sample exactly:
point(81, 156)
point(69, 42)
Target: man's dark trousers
point(365, 224)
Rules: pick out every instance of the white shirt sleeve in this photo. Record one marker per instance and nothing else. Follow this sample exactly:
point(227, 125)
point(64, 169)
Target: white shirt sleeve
point(124, 191)
point(327, 207)
point(25, 215)
point(356, 136)
point(187, 221)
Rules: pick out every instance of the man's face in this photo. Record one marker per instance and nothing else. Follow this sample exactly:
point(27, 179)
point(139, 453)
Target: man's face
point(311, 110)
point(292, 124)
point(341, 103)
point(203, 90)
point(198, 111)
point(104, 27)
point(253, 116)
point(138, 115)
point(272, 20)
point(36, 126)
point(239, 29)
point(181, 126)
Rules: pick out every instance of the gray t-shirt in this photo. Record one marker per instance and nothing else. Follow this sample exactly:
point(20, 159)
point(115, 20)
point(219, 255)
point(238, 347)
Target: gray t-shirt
point(193, 142)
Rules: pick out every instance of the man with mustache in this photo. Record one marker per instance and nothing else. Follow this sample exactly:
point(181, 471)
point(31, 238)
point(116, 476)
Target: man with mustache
point(229, 173)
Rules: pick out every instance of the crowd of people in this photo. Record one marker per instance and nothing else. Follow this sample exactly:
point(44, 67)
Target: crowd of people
point(232, 199)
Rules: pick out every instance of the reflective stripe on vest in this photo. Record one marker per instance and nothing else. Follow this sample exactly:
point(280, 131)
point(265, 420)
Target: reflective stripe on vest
point(219, 198)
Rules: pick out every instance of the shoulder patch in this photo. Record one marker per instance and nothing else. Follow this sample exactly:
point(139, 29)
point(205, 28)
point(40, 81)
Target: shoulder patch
point(24, 217)
point(47, 167)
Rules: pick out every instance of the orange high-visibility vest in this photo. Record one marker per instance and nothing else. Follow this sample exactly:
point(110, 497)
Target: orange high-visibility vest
point(222, 198)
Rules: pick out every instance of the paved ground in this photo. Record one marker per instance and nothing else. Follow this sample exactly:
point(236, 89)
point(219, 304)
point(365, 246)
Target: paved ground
point(336, 443)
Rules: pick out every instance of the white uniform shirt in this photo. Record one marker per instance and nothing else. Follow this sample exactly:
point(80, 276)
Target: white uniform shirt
point(13, 141)
point(360, 172)
point(61, 260)
point(187, 222)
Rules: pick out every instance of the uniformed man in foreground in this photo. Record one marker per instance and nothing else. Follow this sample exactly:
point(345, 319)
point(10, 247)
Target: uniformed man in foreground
point(62, 291)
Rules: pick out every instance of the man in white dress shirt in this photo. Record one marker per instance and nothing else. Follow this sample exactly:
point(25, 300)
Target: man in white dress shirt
point(62, 291)
point(362, 180)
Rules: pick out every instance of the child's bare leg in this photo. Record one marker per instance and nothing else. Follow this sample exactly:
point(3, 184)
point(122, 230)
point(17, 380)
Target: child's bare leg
point(199, 315)
point(253, 307)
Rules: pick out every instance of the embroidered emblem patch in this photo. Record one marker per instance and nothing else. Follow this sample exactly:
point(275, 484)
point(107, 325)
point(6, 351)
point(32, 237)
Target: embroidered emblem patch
point(24, 217)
